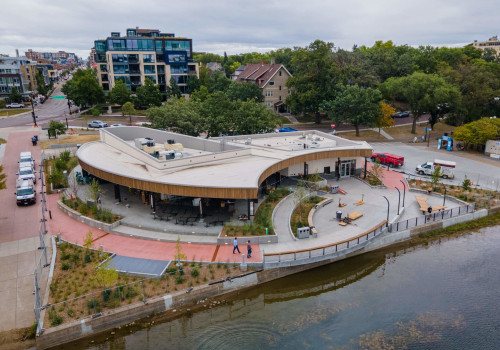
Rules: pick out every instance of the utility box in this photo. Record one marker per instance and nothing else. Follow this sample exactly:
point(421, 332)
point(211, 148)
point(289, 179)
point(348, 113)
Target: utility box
point(303, 232)
point(334, 189)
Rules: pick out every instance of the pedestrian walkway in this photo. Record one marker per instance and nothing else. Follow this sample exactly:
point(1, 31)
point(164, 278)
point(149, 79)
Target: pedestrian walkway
point(391, 179)
point(281, 223)
point(74, 231)
point(383, 133)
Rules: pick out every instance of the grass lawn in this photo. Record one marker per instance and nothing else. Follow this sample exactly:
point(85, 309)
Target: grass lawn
point(68, 139)
point(75, 276)
point(404, 132)
point(9, 112)
point(364, 135)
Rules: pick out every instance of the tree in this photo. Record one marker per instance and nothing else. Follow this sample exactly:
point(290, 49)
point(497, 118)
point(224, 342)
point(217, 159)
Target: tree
point(300, 193)
point(200, 95)
point(88, 240)
point(355, 105)
point(477, 132)
point(178, 115)
point(173, 90)
point(383, 119)
point(314, 78)
point(3, 179)
point(148, 95)
point(489, 55)
point(119, 94)
point(218, 82)
point(179, 255)
point(95, 191)
point(250, 117)
point(244, 91)
point(84, 89)
point(193, 84)
point(15, 95)
point(56, 128)
point(106, 274)
point(216, 112)
point(128, 109)
point(423, 92)
point(436, 177)
point(40, 82)
point(466, 184)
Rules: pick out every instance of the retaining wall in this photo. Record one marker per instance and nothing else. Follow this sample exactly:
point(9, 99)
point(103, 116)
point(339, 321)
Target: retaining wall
point(88, 221)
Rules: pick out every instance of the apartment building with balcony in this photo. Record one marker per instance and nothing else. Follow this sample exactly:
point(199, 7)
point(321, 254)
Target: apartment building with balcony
point(60, 57)
point(141, 54)
point(18, 72)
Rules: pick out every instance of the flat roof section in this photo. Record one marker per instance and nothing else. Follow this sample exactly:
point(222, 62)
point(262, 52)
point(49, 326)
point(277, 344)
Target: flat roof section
point(229, 167)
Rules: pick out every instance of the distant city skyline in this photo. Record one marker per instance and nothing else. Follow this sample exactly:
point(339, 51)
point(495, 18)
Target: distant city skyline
point(261, 26)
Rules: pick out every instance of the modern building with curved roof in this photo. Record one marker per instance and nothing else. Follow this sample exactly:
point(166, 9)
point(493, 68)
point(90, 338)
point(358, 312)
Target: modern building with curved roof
point(230, 167)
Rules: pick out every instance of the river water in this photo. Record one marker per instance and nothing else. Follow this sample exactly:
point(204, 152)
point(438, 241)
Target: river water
point(440, 295)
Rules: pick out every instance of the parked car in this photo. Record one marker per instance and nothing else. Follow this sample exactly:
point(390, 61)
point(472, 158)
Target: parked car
point(15, 105)
point(401, 114)
point(287, 129)
point(390, 159)
point(26, 173)
point(97, 124)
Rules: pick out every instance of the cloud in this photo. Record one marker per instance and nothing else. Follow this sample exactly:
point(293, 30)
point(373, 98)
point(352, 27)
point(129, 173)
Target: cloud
point(237, 26)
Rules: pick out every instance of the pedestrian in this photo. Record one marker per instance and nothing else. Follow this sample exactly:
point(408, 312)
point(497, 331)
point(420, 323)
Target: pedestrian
point(235, 243)
point(249, 250)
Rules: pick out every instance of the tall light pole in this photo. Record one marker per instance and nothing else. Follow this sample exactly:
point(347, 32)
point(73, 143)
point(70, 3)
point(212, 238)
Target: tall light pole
point(33, 112)
point(388, 207)
point(399, 197)
point(404, 192)
point(444, 197)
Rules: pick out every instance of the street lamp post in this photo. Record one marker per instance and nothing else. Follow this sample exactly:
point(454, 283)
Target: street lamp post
point(33, 112)
point(399, 197)
point(404, 192)
point(388, 206)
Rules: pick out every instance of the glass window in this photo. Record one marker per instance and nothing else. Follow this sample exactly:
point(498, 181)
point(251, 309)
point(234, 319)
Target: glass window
point(104, 68)
point(149, 69)
point(159, 46)
point(125, 79)
point(134, 58)
point(279, 73)
point(149, 58)
point(178, 70)
point(271, 83)
point(100, 45)
point(120, 69)
point(131, 44)
point(160, 69)
point(280, 87)
point(131, 33)
point(120, 58)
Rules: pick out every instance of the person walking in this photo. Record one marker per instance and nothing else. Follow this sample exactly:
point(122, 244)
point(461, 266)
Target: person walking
point(235, 243)
point(249, 250)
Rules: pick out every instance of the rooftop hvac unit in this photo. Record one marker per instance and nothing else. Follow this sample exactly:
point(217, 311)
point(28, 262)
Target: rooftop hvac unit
point(150, 143)
point(140, 142)
point(171, 141)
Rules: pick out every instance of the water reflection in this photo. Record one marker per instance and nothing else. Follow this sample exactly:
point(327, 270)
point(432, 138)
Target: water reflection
point(433, 296)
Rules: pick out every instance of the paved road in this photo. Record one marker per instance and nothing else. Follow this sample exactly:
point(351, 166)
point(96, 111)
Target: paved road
point(52, 109)
point(481, 170)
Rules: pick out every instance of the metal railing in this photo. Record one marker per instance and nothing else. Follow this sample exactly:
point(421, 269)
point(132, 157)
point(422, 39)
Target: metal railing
point(41, 273)
point(432, 217)
point(325, 251)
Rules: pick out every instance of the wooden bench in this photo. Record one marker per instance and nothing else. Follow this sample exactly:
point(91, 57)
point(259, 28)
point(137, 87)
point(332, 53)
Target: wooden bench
point(354, 215)
point(422, 202)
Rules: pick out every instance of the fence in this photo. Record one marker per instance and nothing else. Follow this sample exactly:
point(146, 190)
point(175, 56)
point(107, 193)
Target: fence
point(478, 180)
point(433, 217)
point(41, 272)
point(324, 251)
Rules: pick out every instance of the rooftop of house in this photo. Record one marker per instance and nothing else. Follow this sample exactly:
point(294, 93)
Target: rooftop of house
point(259, 73)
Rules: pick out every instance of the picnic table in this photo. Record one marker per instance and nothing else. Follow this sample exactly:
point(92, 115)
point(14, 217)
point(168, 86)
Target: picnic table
point(422, 202)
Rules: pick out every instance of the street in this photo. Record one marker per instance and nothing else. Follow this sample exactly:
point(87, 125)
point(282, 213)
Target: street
point(51, 109)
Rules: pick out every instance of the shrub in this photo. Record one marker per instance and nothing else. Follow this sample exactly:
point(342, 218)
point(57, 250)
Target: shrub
point(83, 209)
point(65, 266)
point(3, 104)
point(131, 292)
point(54, 318)
point(179, 280)
point(31, 331)
point(195, 272)
point(106, 294)
point(65, 256)
point(91, 304)
point(65, 156)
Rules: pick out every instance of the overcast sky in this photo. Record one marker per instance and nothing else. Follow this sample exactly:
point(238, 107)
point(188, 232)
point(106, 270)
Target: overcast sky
point(245, 26)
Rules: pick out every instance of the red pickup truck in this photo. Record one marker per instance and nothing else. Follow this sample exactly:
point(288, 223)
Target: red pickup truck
point(390, 159)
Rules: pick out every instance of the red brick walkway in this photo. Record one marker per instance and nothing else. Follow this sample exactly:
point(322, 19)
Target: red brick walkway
point(75, 231)
point(391, 179)
point(18, 222)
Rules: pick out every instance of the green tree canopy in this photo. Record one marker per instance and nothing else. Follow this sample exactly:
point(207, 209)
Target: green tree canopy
point(84, 89)
point(193, 84)
point(178, 115)
point(216, 113)
point(218, 82)
point(354, 104)
point(173, 90)
point(40, 82)
point(478, 132)
point(119, 94)
point(56, 128)
point(244, 91)
point(128, 109)
point(15, 95)
point(251, 117)
point(423, 92)
point(148, 95)
point(315, 76)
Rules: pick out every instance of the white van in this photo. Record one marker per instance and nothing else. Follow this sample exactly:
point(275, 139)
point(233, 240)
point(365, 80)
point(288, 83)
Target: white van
point(25, 159)
point(26, 173)
point(25, 193)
